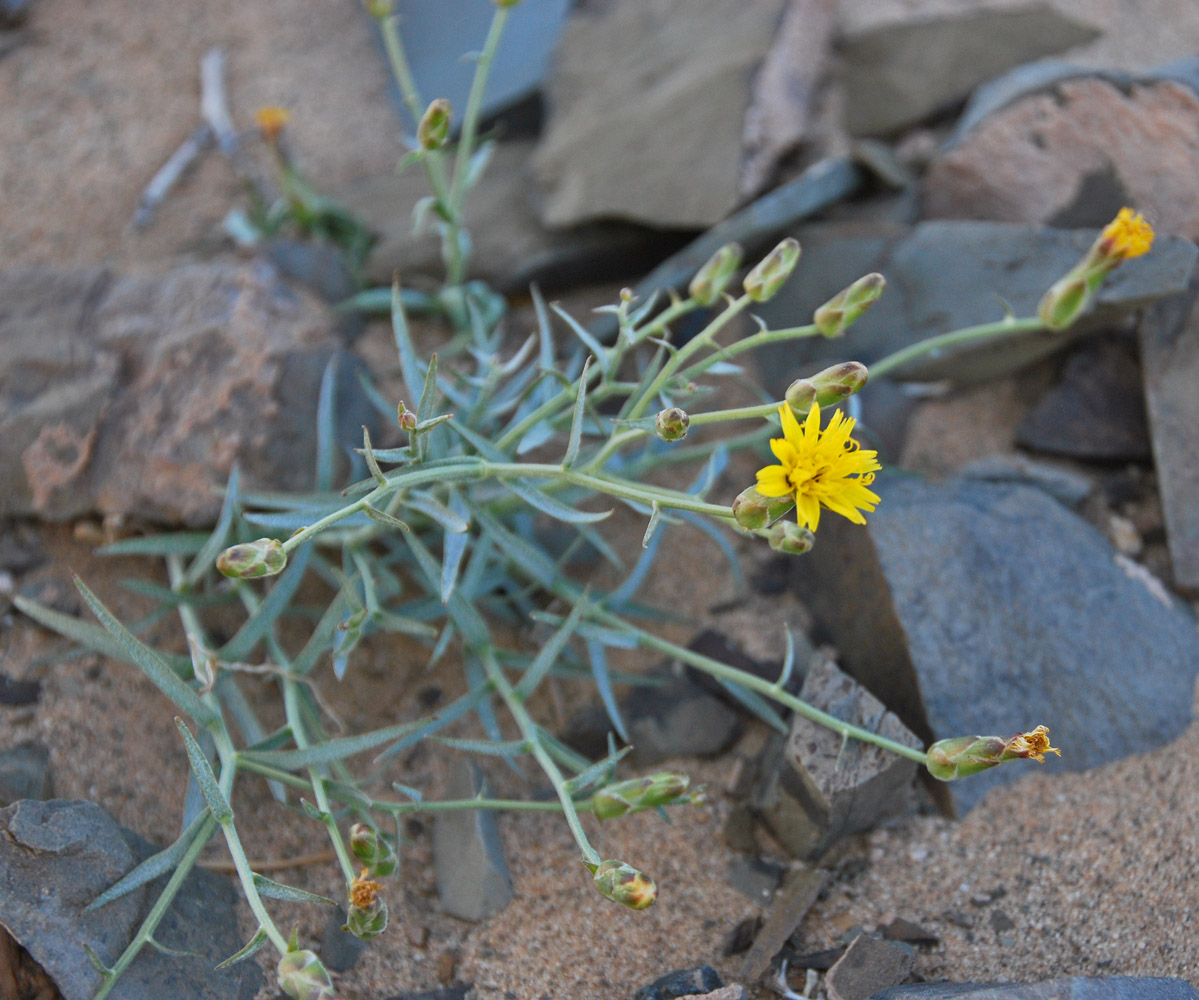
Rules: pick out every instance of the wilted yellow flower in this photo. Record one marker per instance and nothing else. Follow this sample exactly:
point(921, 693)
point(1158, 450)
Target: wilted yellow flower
point(364, 891)
point(820, 468)
point(270, 121)
point(1127, 235)
point(1032, 745)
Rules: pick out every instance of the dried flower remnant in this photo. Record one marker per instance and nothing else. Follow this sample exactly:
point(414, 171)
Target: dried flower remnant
point(820, 468)
point(962, 756)
point(271, 121)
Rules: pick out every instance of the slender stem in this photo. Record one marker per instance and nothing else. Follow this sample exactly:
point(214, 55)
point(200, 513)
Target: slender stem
point(308, 531)
point(528, 730)
point(750, 343)
point(474, 108)
point(932, 345)
point(246, 876)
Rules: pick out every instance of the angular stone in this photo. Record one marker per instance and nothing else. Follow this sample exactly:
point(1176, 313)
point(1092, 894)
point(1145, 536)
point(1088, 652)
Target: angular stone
point(1169, 335)
point(985, 608)
point(734, 991)
point(897, 74)
point(135, 396)
point(867, 966)
point(1072, 988)
point(1064, 148)
point(473, 881)
point(1096, 411)
point(56, 857)
point(1065, 485)
point(24, 773)
point(681, 983)
point(818, 788)
point(789, 906)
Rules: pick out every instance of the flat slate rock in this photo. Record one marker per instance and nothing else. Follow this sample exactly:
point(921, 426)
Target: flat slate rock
point(1072, 988)
point(681, 983)
point(971, 607)
point(868, 965)
point(56, 857)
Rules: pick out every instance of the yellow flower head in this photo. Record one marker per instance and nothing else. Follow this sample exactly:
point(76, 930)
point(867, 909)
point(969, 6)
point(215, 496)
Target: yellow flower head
point(364, 891)
point(1032, 745)
point(1127, 235)
point(820, 468)
point(270, 121)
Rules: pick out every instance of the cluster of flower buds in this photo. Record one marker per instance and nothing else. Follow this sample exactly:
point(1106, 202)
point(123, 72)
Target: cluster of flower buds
point(764, 281)
point(303, 976)
point(671, 424)
point(712, 279)
point(250, 560)
point(368, 913)
point(637, 794)
point(962, 756)
point(373, 851)
point(434, 127)
point(788, 538)
point(753, 511)
point(1128, 235)
point(836, 316)
point(623, 884)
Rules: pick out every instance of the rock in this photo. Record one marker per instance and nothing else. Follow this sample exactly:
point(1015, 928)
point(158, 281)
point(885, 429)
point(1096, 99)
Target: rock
point(473, 881)
point(790, 905)
point(136, 395)
point(56, 857)
point(866, 967)
point(1072, 988)
point(14, 13)
point(818, 789)
point(647, 104)
point(24, 773)
point(755, 878)
point(900, 929)
point(681, 983)
point(340, 950)
point(1169, 336)
point(985, 608)
point(1062, 483)
point(21, 547)
point(1064, 147)
point(895, 75)
point(1096, 412)
point(460, 992)
point(15, 692)
point(734, 991)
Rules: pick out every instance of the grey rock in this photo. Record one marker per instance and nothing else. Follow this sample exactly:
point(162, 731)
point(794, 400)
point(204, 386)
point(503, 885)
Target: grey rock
point(755, 878)
point(867, 966)
point(986, 608)
point(460, 992)
point(1062, 483)
point(900, 929)
point(16, 692)
point(1072, 988)
point(734, 991)
point(340, 950)
point(1169, 336)
point(14, 13)
point(473, 881)
point(790, 905)
point(56, 857)
point(647, 102)
point(895, 75)
point(681, 983)
point(818, 789)
point(21, 547)
point(24, 773)
point(135, 396)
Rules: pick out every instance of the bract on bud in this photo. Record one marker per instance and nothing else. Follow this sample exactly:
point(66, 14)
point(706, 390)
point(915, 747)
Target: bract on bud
point(372, 850)
point(250, 560)
point(624, 884)
point(752, 510)
point(789, 538)
point(712, 279)
point(839, 382)
point(637, 794)
point(671, 424)
point(303, 976)
point(962, 756)
point(834, 317)
point(800, 395)
point(768, 276)
point(434, 127)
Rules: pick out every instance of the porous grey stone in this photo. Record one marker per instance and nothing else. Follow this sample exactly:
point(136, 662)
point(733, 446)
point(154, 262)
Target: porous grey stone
point(24, 773)
point(867, 967)
point(984, 608)
point(473, 881)
point(1071, 988)
point(1064, 484)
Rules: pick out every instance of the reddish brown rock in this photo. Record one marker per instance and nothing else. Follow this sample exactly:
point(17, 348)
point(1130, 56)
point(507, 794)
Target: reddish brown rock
point(1072, 153)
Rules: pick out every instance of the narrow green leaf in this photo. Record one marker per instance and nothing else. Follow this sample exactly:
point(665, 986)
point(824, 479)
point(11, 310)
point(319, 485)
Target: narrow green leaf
point(177, 543)
point(151, 663)
point(321, 639)
point(326, 426)
point(155, 865)
point(484, 447)
point(260, 622)
point(97, 964)
point(655, 519)
point(576, 421)
point(788, 659)
point(277, 890)
point(453, 548)
point(372, 463)
point(603, 684)
point(455, 710)
point(383, 518)
point(218, 805)
point(530, 558)
point(162, 949)
point(434, 508)
point(469, 622)
point(507, 748)
point(218, 540)
point(548, 655)
point(331, 750)
point(256, 942)
point(594, 346)
point(756, 704)
point(93, 637)
point(410, 368)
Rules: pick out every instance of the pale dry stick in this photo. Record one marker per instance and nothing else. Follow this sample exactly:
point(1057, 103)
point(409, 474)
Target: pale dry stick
point(169, 173)
point(214, 107)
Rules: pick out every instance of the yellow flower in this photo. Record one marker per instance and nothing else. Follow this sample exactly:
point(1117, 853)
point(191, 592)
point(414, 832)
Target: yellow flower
point(1127, 235)
point(820, 468)
point(270, 121)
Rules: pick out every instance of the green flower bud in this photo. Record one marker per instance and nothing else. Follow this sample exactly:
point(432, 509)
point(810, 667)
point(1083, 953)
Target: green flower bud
point(505, 3)
point(380, 9)
point(768, 276)
point(368, 913)
point(672, 424)
point(1065, 301)
point(962, 756)
point(637, 794)
point(624, 884)
point(406, 418)
point(800, 396)
point(373, 851)
point(752, 510)
point(434, 127)
point(303, 976)
point(838, 313)
point(789, 538)
point(711, 279)
point(839, 382)
point(250, 560)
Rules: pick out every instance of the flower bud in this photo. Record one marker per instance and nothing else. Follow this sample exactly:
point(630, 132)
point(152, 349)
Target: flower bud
point(434, 127)
point(834, 317)
point(250, 560)
point(270, 121)
point(368, 913)
point(800, 395)
point(637, 794)
point(839, 382)
point(406, 418)
point(671, 424)
point(303, 976)
point(789, 538)
point(962, 756)
point(372, 850)
point(624, 884)
point(380, 9)
point(505, 3)
point(768, 276)
point(711, 279)
point(752, 510)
